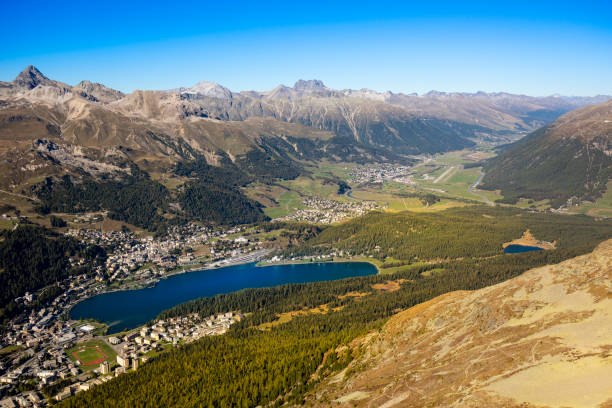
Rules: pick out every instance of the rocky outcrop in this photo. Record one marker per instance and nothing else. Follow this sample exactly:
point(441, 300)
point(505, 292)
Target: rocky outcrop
point(97, 92)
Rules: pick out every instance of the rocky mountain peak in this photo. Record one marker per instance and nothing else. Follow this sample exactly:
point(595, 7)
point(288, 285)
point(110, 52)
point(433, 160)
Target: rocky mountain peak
point(435, 93)
point(97, 92)
point(309, 85)
point(30, 78)
point(211, 89)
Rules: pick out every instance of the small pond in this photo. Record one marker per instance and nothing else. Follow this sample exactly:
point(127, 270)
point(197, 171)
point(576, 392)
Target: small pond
point(517, 249)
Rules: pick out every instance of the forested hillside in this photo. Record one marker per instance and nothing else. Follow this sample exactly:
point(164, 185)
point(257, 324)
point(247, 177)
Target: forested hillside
point(210, 194)
point(452, 234)
point(32, 257)
point(251, 366)
point(568, 158)
point(136, 200)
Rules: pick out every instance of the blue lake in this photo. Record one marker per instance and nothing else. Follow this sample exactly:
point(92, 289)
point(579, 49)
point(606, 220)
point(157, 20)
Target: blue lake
point(132, 308)
point(517, 249)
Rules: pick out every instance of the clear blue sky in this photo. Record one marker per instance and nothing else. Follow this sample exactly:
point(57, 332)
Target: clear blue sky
point(530, 47)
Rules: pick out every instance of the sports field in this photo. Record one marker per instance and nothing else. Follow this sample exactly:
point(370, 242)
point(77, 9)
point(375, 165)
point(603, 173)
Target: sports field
point(91, 353)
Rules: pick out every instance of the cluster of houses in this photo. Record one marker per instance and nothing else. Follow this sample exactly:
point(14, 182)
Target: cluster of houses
point(308, 258)
point(49, 364)
point(323, 211)
point(40, 356)
point(38, 339)
point(174, 331)
point(378, 173)
point(130, 253)
point(135, 348)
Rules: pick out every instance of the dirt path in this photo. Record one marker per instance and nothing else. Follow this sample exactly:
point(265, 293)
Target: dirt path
point(19, 195)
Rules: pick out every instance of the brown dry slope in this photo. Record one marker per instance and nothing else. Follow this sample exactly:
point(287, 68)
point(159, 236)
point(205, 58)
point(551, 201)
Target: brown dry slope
point(543, 339)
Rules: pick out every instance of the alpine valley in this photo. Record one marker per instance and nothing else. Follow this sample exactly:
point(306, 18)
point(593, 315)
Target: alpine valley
point(443, 249)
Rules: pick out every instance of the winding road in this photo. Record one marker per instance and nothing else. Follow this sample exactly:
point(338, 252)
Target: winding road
point(473, 187)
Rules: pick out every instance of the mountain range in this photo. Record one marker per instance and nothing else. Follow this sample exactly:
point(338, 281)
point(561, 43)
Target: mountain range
point(567, 161)
point(93, 133)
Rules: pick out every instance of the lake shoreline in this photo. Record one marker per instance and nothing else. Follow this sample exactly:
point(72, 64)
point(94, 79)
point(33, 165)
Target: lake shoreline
point(134, 306)
point(307, 262)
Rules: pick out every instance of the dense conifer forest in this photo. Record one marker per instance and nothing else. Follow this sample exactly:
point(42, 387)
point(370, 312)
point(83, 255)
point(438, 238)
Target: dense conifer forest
point(473, 231)
point(135, 200)
point(206, 202)
point(540, 167)
point(252, 365)
point(33, 257)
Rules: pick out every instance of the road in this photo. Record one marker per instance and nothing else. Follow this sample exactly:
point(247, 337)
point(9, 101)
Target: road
point(473, 187)
point(19, 195)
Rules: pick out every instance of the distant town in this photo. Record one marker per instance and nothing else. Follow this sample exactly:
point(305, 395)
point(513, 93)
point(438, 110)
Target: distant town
point(381, 172)
point(325, 211)
point(39, 352)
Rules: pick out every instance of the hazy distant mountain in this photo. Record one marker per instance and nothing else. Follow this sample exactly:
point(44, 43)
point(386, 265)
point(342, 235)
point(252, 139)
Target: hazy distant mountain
point(571, 157)
point(497, 111)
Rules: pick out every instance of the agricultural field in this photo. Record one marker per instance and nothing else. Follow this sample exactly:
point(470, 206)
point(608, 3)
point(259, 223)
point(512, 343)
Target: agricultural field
point(445, 175)
point(600, 208)
point(332, 170)
point(312, 186)
point(288, 202)
point(441, 175)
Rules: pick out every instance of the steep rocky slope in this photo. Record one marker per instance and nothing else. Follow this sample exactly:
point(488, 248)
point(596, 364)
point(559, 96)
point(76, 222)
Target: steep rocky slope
point(539, 340)
point(156, 127)
point(404, 124)
point(570, 158)
point(286, 127)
